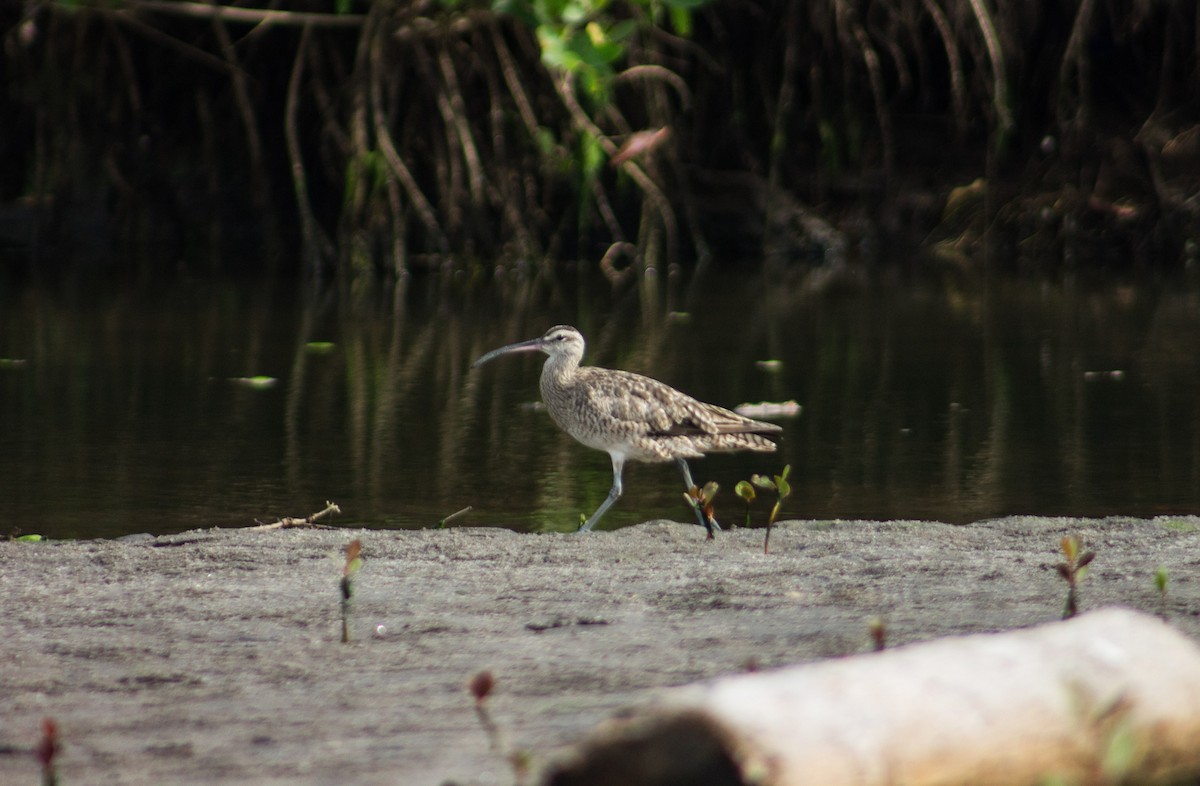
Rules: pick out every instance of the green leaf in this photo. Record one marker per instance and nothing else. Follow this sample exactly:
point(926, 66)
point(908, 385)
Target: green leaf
point(597, 55)
point(319, 347)
point(621, 31)
point(681, 21)
point(1160, 579)
point(29, 538)
point(784, 488)
point(763, 482)
point(555, 54)
point(1121, 754)
point(709, 492)
point(592, 155)
point(744, 490)
point(256, 383)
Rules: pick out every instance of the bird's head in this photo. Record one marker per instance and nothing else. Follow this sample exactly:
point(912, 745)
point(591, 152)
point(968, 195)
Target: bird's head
point(560, 341)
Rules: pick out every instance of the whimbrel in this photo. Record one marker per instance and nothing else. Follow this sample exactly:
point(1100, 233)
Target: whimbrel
point(630, 416)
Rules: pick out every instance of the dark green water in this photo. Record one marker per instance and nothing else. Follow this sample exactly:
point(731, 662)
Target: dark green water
point(120, 414)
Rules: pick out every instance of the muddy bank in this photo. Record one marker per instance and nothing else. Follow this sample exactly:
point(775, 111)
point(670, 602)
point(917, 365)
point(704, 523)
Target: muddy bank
point(214, 656)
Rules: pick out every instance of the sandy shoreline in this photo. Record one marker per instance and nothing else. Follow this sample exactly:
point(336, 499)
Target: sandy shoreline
point(213, 656)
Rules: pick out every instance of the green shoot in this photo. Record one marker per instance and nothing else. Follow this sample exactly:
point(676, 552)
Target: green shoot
point(442, 523)
point(782, 490)
point(878, 630)
point(353, 563)
point(1160, 584)
point(746, 491)
point(47, 750)
point(1073, 570)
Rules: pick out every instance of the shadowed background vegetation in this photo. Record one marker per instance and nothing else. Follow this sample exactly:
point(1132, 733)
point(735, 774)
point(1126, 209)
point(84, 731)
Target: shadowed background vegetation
point(369, 138)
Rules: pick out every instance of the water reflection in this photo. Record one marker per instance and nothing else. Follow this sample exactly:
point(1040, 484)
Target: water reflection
point(919, 401)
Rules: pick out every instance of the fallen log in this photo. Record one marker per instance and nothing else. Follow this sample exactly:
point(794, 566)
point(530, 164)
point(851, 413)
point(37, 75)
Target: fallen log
point(1109, 697)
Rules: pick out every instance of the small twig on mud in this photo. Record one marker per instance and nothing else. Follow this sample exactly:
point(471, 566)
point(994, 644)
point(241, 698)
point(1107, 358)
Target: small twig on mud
point(308, 521)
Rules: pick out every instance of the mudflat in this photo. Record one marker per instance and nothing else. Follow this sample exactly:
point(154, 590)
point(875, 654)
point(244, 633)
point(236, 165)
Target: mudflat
point(215, 656)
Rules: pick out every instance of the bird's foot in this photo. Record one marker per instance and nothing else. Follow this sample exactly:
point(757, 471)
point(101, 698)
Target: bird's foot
point(700, 501)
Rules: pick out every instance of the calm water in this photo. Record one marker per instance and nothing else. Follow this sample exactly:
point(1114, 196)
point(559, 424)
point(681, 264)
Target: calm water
point(121, 413)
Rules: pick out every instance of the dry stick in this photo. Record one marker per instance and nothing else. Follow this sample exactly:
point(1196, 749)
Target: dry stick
point(566, 92)
point(317, 247)
point(181, 48)
point(508, 69)
point(308, 521)
point(617, 277)
point(661, 73)
point(847, 18)
point(241, 94)
point(458, 116)
point(375, 88)
point(419, 202)
point(958, 93)
point(1075, 56)
point(783, 108)
point(245, 15)
point(996, 55)
point(451, 193)
point(505, 192)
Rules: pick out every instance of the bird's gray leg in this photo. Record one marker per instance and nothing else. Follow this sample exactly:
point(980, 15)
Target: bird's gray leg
point(687, 479)
point(614, 494)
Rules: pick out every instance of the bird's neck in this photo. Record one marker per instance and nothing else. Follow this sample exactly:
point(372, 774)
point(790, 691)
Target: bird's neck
point(558, 370)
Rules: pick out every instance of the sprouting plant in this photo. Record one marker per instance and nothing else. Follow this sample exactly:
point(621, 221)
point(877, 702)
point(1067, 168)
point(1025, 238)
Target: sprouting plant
point(701, 499)
point(782, 490)
point(878, 630)
point(1073, 570)
point(745, 490)
point(353, 563)
point(47, 750)
point(481, 687)
point(442, 523)
point(1160, 584)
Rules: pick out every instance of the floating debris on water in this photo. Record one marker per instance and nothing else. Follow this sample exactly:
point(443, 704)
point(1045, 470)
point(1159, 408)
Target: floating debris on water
point(1115, 375)
point(255, 383)
point(769, 409)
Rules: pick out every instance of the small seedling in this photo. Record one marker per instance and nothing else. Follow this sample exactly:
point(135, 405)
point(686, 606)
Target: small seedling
point(701, 499)
point(782, 490)
point(47, 750)
point(442, 524)
point(1073, 570)
point(878, 630)
point(745, 490)
point(1160, 584)
point(353, 563)
point(481, 686)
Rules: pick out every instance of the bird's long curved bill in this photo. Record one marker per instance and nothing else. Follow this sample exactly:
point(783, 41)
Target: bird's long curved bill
point(532, 345)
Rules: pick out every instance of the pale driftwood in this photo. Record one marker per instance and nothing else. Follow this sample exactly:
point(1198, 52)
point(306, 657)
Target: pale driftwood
point(307, 521)
point(1109, 697)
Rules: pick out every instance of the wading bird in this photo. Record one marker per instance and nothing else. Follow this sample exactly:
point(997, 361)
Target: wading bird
point(632, 417)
